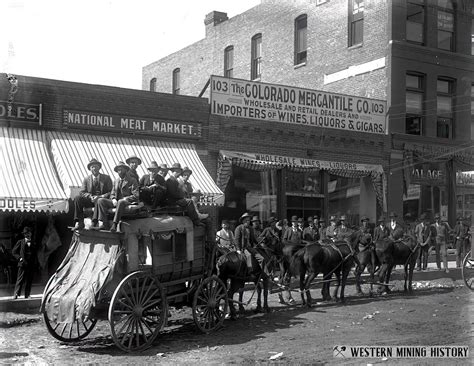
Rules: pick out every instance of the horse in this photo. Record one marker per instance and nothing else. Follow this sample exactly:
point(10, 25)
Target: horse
point(367, 258)
point(233, 266)
point(8, 263)
point(327, 258)
point(401, 249)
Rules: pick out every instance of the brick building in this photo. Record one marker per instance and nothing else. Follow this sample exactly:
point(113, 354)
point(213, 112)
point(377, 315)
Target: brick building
point(50, 130)
point(414, 54)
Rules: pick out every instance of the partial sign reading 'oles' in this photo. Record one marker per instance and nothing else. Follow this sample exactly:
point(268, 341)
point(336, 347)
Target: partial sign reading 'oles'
point(247, 99)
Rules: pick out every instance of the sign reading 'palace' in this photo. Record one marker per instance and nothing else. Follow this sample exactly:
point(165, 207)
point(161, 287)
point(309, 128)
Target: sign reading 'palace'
point(138, 125)
point(278, 103)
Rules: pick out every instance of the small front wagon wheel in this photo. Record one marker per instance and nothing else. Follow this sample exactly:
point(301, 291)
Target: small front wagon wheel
point(69, 332)
point(468, 271)
point(137, 311)
point(210, 304)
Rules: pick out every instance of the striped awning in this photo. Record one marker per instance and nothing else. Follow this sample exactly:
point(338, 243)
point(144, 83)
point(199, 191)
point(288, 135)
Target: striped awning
point(28, 179)
point(73, 151)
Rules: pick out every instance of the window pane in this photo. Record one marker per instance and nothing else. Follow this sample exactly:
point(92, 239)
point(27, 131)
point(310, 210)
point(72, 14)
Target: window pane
point(444, 106)
point(357, 6)
point(443, 127)
point(414, 102)
point(301, 43)
point(446, 4)
point(356, 32)
point(413, 125)
point(445, 21)
point(413, 81)
point(415, 13)
point(443, 86)
point(445, 40)
point(472, 35)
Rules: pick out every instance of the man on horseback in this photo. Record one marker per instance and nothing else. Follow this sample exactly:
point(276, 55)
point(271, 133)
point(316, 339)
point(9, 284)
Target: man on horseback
point(342, 231)
point(394, 225)
point(311, 232)
point(331, 230)
point(246, 241)
point(225, 239)
point(381, 231)
point(293, 235)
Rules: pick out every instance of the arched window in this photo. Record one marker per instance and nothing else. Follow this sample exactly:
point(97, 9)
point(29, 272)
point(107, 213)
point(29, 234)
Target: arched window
point(153, 85)
point(229, 62)
point(300, 39)
point(256, 62)
point(176, 81)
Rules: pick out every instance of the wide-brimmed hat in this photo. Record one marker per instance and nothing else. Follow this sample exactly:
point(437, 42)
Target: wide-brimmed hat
point(459, 218)
point(255, 218)
point(153, 165)
point(300, 220)
point(364, 218)
point(343, 218)
point(423, 216)
point(272, 219)
point(381, 219)
point(121, 164)
point(310, 219)
point(26, 229)
point(392, 214)
point(187, 170)
point(332, 218)
point(133, 157)
point(437, 216)
point(321, 219)
point(294, 218)
point(92, 162)
point(244, 216)
point(176, 166)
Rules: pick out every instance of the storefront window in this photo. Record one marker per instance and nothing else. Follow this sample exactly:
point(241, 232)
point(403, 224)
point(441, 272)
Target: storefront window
point(304, 194)
point(344, 198)
point(250, 191)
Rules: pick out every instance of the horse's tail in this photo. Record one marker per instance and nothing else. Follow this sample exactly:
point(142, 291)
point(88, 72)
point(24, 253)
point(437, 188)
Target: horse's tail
point(297, 262)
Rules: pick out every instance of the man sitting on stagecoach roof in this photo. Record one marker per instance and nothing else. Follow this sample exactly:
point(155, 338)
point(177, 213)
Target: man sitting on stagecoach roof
point(394, 225)
point(189, 193)
point(152, 186)
point(292, 235)
point(256, 226)
point(175, 195)
point(94, 186)
point(331, 230)
point(133, 162)
point(311, 232)
point(342, 231)
point(381, 231)
point(245, 241)
point(124, 193)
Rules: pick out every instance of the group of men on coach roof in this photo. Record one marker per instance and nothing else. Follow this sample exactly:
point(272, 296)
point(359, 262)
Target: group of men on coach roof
point(153, 189)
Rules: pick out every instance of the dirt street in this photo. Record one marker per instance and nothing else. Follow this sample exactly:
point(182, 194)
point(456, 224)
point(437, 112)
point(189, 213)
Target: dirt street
point(437, 314)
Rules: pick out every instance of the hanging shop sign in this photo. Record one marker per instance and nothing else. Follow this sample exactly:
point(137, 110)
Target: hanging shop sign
point(130, 124)
point(428, 174)
point(465, 178)
point(20, 112)
point(279, 103)
point(278, 160)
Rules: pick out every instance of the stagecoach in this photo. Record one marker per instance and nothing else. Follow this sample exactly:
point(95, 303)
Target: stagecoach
point(468, 268)
point(130, 278)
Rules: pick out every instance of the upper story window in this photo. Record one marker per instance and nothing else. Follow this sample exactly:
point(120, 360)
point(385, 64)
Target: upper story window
point(445, 24)
point(444, 108)
point(256, 64)
point(176, 81)
point(416, 21)
point(356, 22)
point(414, 103)
point(229, 62)
point(472, 111)
point(301, 24)
point(472, 32)
point(153, 84)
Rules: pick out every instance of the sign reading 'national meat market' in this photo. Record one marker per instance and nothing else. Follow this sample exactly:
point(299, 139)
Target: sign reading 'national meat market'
point(278, 103)
point(130, 124)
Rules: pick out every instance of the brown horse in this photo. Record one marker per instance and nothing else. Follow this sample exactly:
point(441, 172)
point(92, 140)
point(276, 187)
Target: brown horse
point(326, 258)
point(400, 250)
point(367, 259)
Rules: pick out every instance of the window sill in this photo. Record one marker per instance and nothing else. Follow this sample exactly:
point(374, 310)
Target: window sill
point(301, 64)
point(359, 45)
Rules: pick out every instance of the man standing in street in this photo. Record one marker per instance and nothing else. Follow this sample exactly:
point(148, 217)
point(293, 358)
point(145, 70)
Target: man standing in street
point(394, 225)
point(25, 253)
point(94, 186)
point(461, 236)
point(124, 193)
point(423, 238)
point(441, 231)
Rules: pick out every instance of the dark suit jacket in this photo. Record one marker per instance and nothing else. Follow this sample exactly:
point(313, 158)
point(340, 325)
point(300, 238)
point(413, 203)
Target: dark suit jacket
point(174, 192)
point(380, 233)
point(105, 183)
point(145, 181)
point(397, 227)
point(128, 189)
point(19, 252)
point(244, 239)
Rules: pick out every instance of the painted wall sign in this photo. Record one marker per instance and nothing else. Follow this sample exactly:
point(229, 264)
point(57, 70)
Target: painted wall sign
point(428, 174)
point(300, 162)
point(312, 108)
point(439, 152)
point(20, 112)
point(138, 125)
point(465, 178)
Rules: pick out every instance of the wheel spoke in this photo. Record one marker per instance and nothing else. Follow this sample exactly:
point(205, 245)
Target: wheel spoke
point(144, 301)
point(125, 295)
point(125, 304)
point(157, 301)
point(150, 320)
point(132, 293)
point(144, 287)
point(127, 321)
point(146, 325)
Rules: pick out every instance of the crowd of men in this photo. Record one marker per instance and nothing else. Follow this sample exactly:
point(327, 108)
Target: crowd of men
point(153, 189)
point(249, 234)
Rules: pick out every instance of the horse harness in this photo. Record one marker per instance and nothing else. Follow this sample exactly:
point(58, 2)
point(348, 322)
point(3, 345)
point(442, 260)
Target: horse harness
point(411, 250)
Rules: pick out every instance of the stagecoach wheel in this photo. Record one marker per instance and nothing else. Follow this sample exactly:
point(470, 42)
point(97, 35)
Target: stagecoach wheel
point(468, 271)
point(210, 304)
point(137, 311)
point(69, 332)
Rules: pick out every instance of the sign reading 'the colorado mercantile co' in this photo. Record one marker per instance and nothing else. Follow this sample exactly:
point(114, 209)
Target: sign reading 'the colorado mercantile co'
point(278, 103)
point(138, 125)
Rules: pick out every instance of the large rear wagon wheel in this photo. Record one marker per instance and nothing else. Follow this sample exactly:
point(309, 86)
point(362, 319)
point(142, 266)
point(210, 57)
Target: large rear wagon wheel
point(210, 304)
point(468, 271)
point(69, 332)
point(137, 311)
